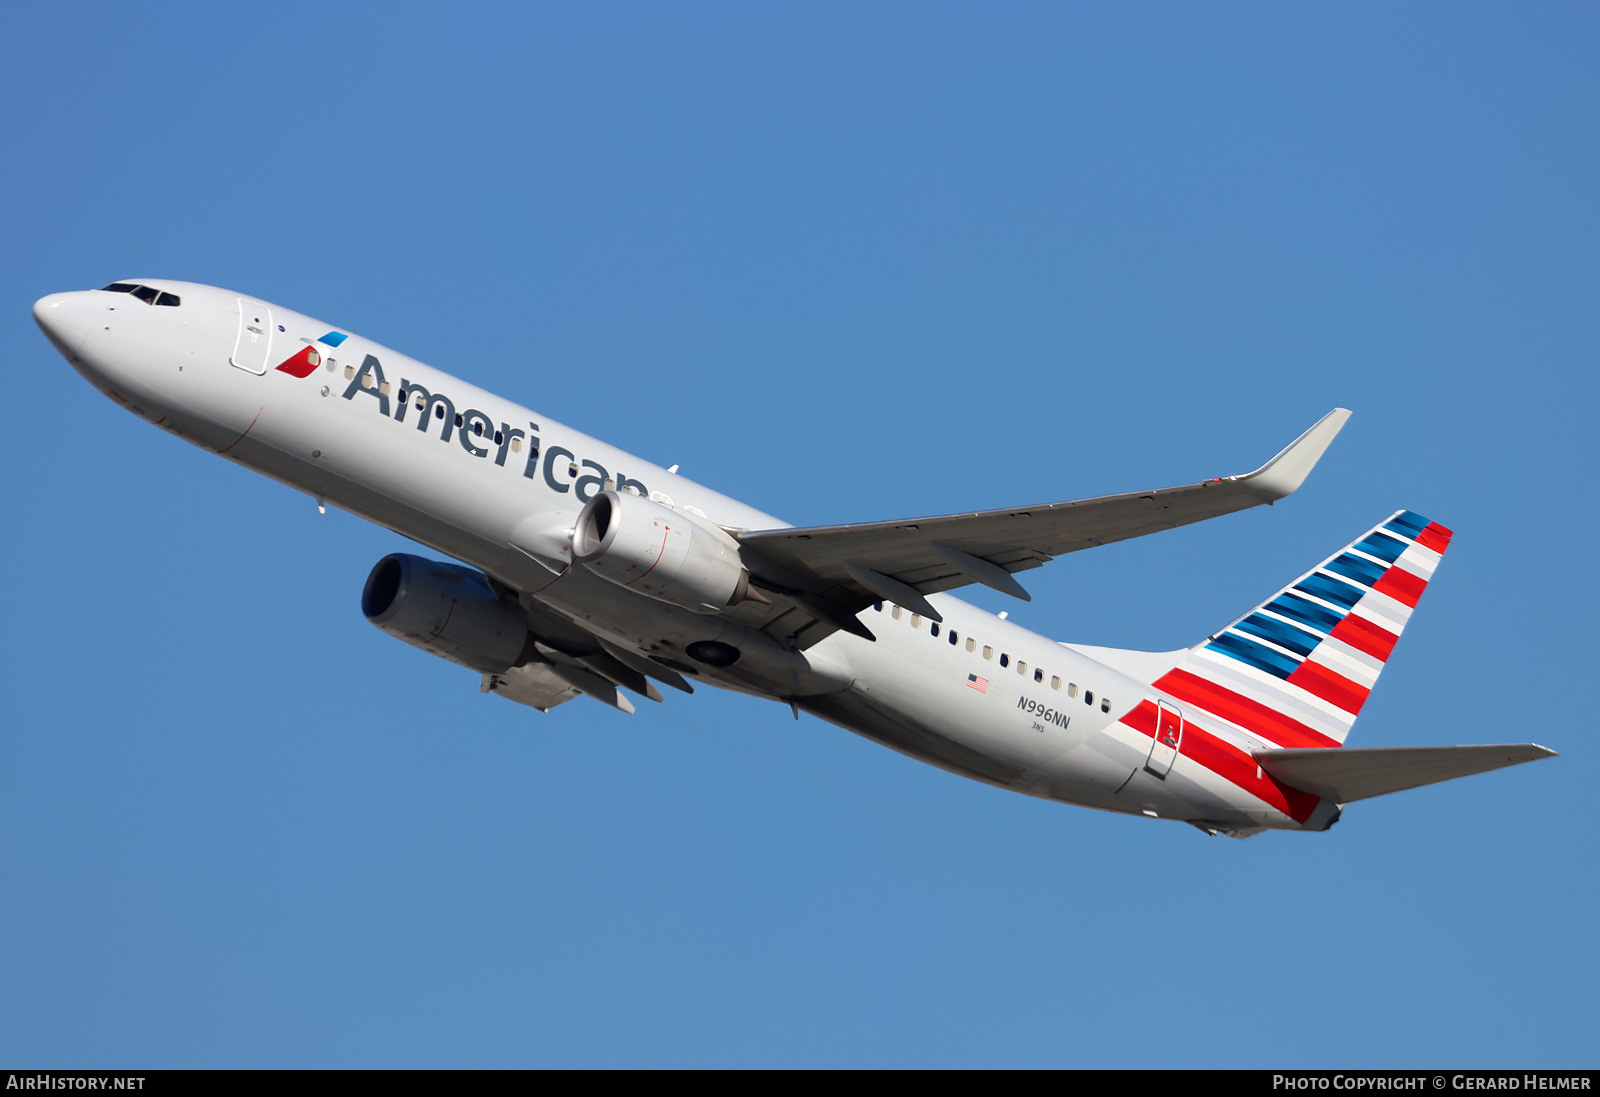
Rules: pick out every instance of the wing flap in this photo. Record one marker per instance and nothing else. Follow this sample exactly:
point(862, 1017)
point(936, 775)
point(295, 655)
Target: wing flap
point(533, 684)
point(1347, 774)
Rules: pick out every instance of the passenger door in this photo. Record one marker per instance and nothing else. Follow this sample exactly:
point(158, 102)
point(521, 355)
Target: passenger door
point(1169, 739)
point(254, 346)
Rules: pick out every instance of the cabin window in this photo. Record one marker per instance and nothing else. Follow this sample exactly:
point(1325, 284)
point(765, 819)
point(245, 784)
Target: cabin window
point(1105, 704)
point(1005, 660)
point(438, 411)
point(1038, 675)
point(1055, 681)
point(877, 607)
point(972, 645)
point(916, 620)
point(1088, 696)
point(516, 443)
point(988, 652)
point(1072, 689)
point(934, 628)
point(1022, 668)
point(383, 388)
point(349, 373)
point(895, 613)
point(953, 638)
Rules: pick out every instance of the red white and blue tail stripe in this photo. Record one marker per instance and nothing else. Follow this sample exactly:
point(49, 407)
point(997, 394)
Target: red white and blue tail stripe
point(1296, 670)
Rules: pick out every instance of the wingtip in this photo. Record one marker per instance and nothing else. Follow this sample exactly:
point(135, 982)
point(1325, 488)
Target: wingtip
point(1288, 470)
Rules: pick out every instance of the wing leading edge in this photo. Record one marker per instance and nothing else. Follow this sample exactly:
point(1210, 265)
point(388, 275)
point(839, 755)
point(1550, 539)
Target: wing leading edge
point(829, 573)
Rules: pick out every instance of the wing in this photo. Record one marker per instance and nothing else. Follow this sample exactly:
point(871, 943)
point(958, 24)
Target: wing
point(822, 576)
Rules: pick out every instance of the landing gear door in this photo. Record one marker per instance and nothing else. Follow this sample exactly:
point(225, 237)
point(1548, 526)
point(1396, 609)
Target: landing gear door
point(255, 336)
point(1168, 740)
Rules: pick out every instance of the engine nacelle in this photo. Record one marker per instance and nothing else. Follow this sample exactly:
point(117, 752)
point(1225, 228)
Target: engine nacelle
point(446, 610)
point(637, 543)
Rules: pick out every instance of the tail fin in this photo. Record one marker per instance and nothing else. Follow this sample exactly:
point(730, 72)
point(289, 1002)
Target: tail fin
point(1296, 670)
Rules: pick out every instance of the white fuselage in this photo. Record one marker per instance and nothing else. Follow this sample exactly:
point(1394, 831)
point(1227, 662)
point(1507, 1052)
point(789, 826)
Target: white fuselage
point(1044, 720)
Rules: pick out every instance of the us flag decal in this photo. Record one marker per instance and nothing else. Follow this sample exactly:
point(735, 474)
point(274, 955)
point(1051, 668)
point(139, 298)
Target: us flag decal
point(979, 684)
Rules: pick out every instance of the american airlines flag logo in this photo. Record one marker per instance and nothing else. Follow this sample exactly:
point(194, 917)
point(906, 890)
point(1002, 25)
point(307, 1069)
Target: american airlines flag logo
point(979, 684)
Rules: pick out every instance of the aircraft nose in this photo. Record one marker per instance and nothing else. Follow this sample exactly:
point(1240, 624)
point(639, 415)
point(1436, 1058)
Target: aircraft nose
point(63, 320)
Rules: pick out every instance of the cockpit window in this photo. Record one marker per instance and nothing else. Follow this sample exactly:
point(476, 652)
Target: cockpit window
point(148, 294)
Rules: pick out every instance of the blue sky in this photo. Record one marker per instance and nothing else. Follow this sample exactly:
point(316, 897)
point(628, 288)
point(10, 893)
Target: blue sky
point(844, 262)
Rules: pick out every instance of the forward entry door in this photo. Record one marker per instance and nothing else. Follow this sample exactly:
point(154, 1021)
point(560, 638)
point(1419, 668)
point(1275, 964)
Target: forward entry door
point(255, 336)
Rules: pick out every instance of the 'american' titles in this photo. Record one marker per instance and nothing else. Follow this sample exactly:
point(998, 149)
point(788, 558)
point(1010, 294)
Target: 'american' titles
point(476, 433)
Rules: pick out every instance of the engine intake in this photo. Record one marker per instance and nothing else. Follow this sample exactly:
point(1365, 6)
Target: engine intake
point(446, 610)
point(659, 552)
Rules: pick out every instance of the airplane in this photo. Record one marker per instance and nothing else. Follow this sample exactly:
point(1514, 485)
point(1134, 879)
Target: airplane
point(580, 570)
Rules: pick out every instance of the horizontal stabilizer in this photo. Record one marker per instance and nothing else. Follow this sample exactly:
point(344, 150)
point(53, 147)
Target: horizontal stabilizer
point(1347, 774)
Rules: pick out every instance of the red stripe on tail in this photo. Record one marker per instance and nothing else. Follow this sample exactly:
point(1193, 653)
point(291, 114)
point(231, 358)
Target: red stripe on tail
point(1253, 716)
point(1331, 686)
point(1401, 585)
point(1435, 537)
point(1365, 636)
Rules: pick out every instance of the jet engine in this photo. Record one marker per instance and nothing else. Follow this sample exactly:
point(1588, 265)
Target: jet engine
point(637, 543)
point(446, 610)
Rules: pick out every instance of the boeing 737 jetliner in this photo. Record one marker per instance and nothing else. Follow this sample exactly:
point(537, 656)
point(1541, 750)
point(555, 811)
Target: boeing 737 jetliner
point(584, 570)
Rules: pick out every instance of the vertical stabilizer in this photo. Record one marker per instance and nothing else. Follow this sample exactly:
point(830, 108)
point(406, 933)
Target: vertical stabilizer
point(1295, 671)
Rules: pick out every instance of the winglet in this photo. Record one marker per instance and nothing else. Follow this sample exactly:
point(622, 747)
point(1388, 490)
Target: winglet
point(1287, 471)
